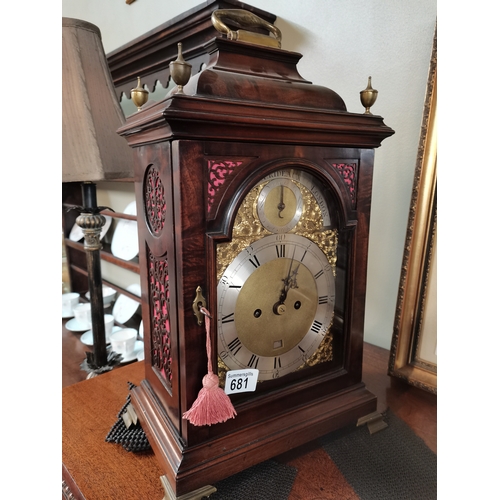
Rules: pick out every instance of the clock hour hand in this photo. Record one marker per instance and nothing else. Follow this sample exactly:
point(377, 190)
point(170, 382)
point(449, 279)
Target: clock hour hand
point(289, 282)
point(281, 205)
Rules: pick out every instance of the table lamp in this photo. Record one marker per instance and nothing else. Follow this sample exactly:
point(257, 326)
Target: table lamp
point(91, 150)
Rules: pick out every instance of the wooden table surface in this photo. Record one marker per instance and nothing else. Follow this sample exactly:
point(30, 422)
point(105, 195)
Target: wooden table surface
point(103, 470)
point(97, 470)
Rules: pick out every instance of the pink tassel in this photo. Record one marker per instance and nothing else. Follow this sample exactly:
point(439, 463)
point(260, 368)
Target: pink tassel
point(212, 406)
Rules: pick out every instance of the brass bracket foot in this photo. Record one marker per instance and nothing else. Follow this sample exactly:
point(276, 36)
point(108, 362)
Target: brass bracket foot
point(374, 422)
point(198, 494)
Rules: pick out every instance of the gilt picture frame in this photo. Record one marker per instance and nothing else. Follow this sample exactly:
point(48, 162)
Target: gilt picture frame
point(413, 353)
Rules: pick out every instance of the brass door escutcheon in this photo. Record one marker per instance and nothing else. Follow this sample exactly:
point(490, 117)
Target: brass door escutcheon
point(199, 302)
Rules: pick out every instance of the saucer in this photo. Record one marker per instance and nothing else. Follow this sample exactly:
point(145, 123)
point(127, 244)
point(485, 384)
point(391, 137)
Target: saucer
point(73, 325)
point(136, 353)
point(76, 233)
point(68, 315)
point(140, 355)
point(88, 339)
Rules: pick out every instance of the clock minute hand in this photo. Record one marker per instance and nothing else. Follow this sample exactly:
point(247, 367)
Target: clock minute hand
point(288, 282)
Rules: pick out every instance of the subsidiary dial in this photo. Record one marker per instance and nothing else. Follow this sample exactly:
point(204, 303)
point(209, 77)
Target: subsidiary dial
point(279, 205)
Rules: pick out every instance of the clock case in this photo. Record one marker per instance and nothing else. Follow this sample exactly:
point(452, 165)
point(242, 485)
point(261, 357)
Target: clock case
point(197, 154)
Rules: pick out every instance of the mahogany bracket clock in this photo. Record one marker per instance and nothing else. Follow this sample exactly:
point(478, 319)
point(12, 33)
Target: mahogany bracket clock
point(253, 192)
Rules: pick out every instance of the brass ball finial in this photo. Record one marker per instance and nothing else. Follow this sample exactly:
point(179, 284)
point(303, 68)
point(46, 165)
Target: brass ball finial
point(368, 96)
point(180, 70)
point(139, 95)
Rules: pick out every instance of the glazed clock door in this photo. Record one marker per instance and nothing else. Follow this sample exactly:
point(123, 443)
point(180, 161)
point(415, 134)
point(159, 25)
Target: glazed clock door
point(276, 278)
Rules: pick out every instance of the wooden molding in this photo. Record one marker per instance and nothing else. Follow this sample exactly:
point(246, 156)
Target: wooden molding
point(149, 55)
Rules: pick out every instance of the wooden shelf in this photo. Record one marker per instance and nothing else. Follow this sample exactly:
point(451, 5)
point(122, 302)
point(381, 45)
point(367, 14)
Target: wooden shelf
point(119, 215)
point(120, 290)
point(106, 255)
point(110, 213)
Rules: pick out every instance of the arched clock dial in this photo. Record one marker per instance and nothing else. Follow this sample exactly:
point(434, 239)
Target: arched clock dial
point(275, 305)
point(276, 278)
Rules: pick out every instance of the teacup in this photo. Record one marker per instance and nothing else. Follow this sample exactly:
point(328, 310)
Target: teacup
point(123, 341)
point(83, 314)
point(69, 301)
point(109, 321)
point(108, 295)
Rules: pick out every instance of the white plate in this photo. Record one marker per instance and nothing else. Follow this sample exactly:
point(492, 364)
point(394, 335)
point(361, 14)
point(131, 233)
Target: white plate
point(136, 353)
point(76, 233)
point(125, 307)
point(88, 339)
point(68, 315)
point(73, 325)
point(106, 226)
point(125, 242)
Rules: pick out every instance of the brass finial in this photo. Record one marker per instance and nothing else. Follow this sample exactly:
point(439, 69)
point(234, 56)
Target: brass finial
point(368, 96)
point(139, 95)
point(180, 70)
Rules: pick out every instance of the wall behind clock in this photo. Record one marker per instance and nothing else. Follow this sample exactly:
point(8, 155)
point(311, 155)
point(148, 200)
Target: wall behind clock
point(342, 42)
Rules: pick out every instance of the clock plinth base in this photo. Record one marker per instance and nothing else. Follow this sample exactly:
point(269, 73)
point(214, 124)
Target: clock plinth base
point(188, 468)
point(198, 494)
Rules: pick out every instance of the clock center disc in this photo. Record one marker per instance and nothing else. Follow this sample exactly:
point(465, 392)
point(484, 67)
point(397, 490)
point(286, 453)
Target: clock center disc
point(261, 329)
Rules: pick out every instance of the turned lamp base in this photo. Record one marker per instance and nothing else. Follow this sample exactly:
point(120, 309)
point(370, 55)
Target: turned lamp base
point(91, 222)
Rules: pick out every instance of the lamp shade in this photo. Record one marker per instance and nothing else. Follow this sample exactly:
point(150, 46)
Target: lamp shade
point(92, 150)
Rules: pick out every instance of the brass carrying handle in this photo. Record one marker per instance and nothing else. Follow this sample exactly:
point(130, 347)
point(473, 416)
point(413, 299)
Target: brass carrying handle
point(245, 19)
